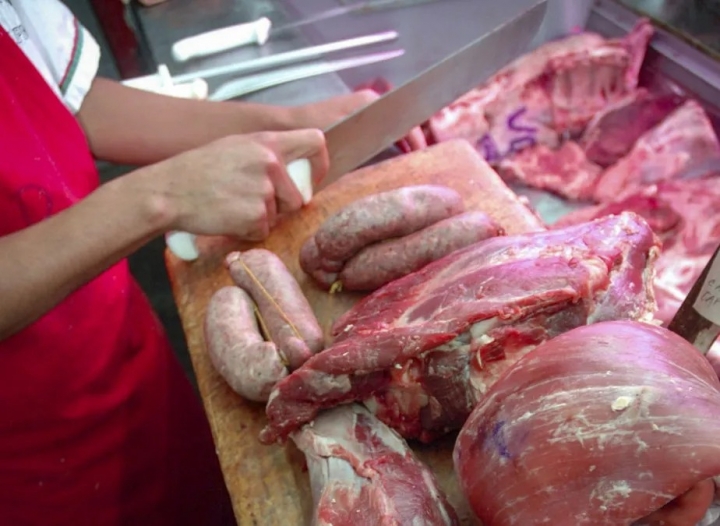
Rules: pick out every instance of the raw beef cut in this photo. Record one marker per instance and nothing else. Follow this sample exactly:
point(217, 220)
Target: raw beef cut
point(684, 139)
point(611, 134)
point(362, 472)
point(602, 425)
point(546, 94)
point(420, 351)
point(683, 213)
point(659, 214)
point(565, 171)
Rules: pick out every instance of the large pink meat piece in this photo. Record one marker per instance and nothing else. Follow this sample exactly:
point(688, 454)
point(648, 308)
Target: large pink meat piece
point(611, 134)
point(565, 171)
point(683, 213)
point(600, 426)
point(684, 139)
point(545, 94)
point(362, 472)
point(685, 254)
point(420, 351)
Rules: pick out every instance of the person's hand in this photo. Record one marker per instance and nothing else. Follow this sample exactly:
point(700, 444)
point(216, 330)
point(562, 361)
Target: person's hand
point(237, 185)
point(688, 508)
point(324, 114)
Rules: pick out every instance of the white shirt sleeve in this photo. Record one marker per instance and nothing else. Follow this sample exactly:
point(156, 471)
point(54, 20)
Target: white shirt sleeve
point(62, 50)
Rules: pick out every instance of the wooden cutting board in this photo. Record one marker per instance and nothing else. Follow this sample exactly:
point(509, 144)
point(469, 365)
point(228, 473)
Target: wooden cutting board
point(268, 484)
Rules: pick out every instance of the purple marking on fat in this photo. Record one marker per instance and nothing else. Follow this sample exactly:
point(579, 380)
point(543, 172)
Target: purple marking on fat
point(490, 150)
point(512, 125)
point(498, 439)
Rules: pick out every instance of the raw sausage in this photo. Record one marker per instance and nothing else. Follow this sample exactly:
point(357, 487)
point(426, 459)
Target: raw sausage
point(324, 278)
point(288, 317)
point(382, 263)
point(311, 260)
point(250, 365)
point(382, 216)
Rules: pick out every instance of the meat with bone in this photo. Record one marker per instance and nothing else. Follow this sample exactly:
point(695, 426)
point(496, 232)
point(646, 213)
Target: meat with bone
point(288, 317)
point(422, 350)
point(684, 139)
point(611, 134)
point(250, 365)
point(381, 263)
point(602, 425)
point(362, 472)
point(544, 95)
point(565, 171)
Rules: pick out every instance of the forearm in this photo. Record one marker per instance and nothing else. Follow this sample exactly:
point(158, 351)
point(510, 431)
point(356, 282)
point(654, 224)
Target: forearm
point(42, 264)
point(130, 126)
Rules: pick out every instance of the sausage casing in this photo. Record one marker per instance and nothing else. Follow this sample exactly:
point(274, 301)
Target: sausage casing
point(311, 261)
point(382, 263)
point(290, 321)
point(250, 365)
point(382, 216)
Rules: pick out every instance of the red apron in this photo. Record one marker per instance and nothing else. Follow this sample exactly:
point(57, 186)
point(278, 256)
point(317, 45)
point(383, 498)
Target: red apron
point(98, 423)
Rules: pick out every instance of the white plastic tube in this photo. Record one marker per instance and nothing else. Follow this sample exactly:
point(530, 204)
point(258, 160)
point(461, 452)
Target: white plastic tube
point(219, 40)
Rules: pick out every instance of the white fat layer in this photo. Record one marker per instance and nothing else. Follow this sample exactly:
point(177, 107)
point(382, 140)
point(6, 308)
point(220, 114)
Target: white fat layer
point(621, 402)
point(335, 428)
point(323, 383)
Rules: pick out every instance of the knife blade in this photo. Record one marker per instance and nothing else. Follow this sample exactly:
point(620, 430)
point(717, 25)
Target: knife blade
point(698, 318)
point(373, 128)
point(378, 125)
point(259, 31)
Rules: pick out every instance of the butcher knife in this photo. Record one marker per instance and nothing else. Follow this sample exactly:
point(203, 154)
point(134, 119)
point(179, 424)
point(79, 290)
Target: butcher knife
point(375, 127)
point(259, 31)
point(698, 318)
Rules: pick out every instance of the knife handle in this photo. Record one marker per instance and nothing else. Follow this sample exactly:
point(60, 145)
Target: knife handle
point(212, 42)
point(182, 244)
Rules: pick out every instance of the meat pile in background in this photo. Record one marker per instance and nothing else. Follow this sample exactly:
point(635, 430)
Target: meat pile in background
point(421, 351)
point(569, 118)
point(546, 95)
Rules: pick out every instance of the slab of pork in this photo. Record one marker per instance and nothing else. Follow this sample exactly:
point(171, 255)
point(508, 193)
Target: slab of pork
point(546, 94)
point(612, 133)
point(684, 139)
point(602, 425)
point(565, 171)
point(362, 472)
point(423, 349)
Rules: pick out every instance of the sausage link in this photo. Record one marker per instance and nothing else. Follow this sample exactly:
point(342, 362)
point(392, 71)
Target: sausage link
point(311, 260)
point(309, 257)
point(382, 216)
point(288, 317)
point(381, 263)
point(311, 263)
point(250, 365)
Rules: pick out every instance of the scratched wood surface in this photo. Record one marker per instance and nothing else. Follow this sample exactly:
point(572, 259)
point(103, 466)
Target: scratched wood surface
point(268, 484)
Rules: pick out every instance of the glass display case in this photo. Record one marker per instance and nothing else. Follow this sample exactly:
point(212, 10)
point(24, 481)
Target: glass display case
point(695, 21)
